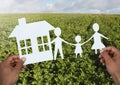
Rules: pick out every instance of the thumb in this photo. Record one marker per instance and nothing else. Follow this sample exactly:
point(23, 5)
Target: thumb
point(107, 58)
point(19, 64)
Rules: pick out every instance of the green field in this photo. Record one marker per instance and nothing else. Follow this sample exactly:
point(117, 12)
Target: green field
point(86, 70)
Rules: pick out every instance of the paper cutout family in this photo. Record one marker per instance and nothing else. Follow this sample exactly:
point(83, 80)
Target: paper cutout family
point(34, 43)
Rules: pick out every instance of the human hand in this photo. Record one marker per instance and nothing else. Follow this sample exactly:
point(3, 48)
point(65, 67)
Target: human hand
point(10, 68)
point(110, 57)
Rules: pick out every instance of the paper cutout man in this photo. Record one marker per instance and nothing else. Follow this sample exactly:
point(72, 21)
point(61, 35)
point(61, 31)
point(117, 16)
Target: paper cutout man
point(58, 43)
point(78, 49)
point(97, 39)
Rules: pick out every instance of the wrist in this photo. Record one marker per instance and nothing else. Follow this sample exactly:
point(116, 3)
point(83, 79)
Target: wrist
point(5, 83)
point(116, 78)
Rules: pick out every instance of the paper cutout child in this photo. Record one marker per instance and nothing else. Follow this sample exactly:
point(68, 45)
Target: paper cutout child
point(97, 39)
point(78, 49)
point(58, 43)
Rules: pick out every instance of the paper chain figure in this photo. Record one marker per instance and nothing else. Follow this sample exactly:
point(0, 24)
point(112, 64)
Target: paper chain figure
point(33, 40)
point(97, 39)
point(58, 43)
point(78, 48)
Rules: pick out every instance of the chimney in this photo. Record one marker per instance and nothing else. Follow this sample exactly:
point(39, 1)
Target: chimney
point(22, 21)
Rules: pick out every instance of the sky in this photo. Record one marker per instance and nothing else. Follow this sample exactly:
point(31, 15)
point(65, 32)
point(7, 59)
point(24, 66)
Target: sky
point(60, 6)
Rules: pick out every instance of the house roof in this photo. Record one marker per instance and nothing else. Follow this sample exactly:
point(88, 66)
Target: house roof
point(25, 31)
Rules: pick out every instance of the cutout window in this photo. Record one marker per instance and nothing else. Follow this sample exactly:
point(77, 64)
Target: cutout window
point(45, 39)
point(43, 43)
point(22, 43)
point(40, 48)
point(39, 40)
point(28, 42)
point(26, 47)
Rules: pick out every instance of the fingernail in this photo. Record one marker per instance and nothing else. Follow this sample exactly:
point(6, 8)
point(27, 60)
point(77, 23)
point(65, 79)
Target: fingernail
point(23, 59)
point(103, 64)
point(101, 51)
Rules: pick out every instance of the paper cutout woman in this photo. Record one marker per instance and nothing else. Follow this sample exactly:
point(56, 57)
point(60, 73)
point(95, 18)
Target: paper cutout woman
point(97, 39)
point(58, 43)
point(78, 48)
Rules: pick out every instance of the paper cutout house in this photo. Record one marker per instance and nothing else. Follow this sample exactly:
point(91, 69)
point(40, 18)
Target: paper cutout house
point(33, 40)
